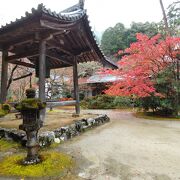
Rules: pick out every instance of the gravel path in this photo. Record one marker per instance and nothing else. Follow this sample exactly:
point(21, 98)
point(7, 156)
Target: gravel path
point(127, 148)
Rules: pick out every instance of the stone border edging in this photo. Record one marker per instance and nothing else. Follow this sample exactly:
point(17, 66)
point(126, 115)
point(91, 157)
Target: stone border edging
point(57, 135)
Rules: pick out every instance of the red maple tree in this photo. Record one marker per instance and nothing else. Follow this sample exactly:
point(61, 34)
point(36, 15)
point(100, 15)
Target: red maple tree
point(138, 70)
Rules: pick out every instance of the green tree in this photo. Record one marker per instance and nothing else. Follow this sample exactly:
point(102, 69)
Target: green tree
point(150, 29)
point(119, 38)
point(173, 17)
point(170, 25)
point(113, 39)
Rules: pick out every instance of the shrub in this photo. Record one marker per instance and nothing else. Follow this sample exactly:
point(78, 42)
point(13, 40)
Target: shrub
point(148, 103)
point(2, 113)
point(6, 107)
point(67, 94)
point(81, 96)
point(100, 102)
point(105, 102)
point(122, 102)
point(160, 106)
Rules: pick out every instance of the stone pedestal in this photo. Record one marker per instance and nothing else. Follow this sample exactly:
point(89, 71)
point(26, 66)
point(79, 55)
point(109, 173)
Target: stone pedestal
point(32, 148)
point(31, 125)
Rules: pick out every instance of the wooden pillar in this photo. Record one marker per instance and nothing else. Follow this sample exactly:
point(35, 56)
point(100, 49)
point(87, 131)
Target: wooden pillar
point(4, 76)
point(76, 88)
point(42, 73)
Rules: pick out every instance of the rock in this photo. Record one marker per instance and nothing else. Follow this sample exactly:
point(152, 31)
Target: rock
point(2, 133)
point(23, 141)
point(46, 138)
point(66, 133)
point(73, 131)
point(78, 126)
point(62, 138)
point(57, 140)
point(59, 134)
point(90, 122)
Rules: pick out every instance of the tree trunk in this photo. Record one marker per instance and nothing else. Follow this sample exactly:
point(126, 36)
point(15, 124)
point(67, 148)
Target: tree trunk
point(165, 18)
point(11, 76)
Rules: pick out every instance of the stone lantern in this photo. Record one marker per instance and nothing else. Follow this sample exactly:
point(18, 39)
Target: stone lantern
point(30, 109)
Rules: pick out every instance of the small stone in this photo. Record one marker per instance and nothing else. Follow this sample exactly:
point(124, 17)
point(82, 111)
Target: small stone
point(62, 138)
point(82, 175)
point(57, 140)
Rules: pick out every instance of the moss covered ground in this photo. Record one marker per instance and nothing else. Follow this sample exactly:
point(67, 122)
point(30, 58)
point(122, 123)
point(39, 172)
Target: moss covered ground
point(8, 145)
point(151, 116)
point(54, 164)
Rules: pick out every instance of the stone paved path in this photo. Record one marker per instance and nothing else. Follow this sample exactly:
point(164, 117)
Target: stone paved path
point(127, 148)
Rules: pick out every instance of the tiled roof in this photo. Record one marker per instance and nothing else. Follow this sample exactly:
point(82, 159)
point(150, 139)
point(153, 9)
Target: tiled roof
point(72, 14)
point(101, 78)
point(64, 15)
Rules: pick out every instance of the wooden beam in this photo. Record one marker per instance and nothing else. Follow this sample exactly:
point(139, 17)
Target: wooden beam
point(83, 52)
point(42, 69)
point(76, 88)
point(58, 46)
point(60, 103)
point(4, 76)
point(21, 77)
point(22, 55)
point(23, 64)
point(26, 39)
point(19, 41)
point(59, 58)
point(42, 73)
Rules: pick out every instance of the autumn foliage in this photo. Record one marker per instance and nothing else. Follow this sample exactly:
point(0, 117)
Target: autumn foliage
point(144, 60)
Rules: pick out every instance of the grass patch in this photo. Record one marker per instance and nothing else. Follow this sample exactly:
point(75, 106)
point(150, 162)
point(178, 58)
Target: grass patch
point(52, 146)
point(53, 164)
point(152, 116)
point(7, 145)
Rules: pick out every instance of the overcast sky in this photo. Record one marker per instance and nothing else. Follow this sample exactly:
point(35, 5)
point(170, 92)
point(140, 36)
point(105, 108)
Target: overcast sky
point(102, 13)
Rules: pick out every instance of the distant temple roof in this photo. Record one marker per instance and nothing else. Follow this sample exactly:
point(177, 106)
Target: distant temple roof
point(68, 34)
point(99, 78)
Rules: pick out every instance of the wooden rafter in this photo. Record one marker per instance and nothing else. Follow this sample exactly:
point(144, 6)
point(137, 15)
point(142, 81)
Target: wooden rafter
point(59, 58)
point(27, 54)
point(56, 45)
point(23, 64)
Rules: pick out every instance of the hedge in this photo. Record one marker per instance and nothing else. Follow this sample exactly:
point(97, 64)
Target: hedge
point(106, 102)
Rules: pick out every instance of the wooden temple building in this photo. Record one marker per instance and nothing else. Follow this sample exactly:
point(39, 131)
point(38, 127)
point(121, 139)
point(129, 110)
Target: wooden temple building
point(49, 40)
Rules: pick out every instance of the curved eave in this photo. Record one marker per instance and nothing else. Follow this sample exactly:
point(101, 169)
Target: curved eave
point(106, 62)
point(65, 17)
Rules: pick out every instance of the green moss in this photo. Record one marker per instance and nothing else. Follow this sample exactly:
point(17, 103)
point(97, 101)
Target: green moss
point(54, 145)
point(53, 164)
point(7, 145)
point(30, 103)
point(51, 147)
point(151, 116)
point(2, 113)
point(6, 107)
